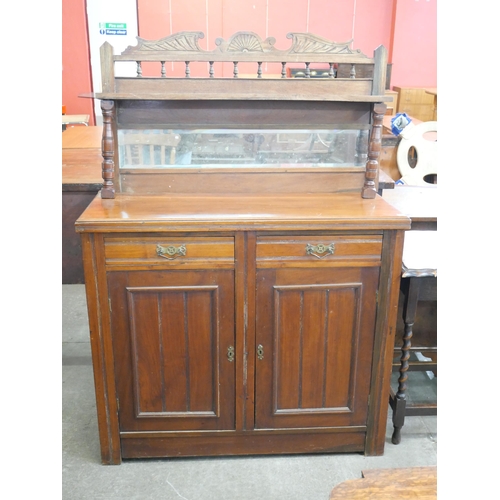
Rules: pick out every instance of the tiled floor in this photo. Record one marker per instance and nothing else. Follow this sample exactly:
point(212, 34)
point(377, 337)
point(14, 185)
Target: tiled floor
point(295, 477)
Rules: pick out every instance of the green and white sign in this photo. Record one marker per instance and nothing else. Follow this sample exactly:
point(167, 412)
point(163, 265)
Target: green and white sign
point(113, 28)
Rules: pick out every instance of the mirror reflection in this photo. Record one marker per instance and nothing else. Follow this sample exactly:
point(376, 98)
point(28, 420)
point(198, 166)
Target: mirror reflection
point(157, 148)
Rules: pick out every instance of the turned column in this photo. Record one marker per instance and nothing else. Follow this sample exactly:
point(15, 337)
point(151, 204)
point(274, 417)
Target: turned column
point(108, 149)
point(374, 148)
point(411, 290)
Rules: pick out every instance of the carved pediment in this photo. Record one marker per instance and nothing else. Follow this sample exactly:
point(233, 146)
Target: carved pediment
point(242, 42)
point(185, 41)
point(307, 43)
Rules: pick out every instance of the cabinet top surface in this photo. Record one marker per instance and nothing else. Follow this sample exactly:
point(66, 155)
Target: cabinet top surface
point(181, 212)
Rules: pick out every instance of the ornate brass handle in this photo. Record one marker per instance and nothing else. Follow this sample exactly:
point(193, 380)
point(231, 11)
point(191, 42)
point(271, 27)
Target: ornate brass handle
point(230, 353)
point(170, 252)
point(320, 251)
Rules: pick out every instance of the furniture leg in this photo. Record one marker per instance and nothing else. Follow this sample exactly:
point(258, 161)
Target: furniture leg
point(410, 288)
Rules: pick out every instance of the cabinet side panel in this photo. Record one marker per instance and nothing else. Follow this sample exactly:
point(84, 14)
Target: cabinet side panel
point(384, 341)
point(102, 358)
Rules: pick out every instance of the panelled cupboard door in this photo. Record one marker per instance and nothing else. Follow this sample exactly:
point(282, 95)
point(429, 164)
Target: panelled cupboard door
point(314, 343)
point(173, 341)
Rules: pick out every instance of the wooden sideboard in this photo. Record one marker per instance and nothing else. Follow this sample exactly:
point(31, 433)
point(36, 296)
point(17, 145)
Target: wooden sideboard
point(241, 308)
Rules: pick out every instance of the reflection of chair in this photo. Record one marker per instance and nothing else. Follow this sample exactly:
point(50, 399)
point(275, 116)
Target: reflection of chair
point(417, 154)
point(142, 149)
point(418, 282)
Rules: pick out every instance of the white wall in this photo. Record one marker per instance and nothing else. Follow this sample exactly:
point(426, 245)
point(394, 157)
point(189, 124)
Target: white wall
point(101, 14)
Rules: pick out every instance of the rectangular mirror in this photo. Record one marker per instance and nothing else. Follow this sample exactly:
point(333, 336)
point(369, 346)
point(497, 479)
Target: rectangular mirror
point(250, 148)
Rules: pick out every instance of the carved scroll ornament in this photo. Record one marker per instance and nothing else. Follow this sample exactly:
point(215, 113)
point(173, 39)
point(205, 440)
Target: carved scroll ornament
point(185, 41)
point(242, 42)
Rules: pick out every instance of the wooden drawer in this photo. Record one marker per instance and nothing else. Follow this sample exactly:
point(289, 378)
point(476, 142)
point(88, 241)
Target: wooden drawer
point(319, 251)
point(170, 252)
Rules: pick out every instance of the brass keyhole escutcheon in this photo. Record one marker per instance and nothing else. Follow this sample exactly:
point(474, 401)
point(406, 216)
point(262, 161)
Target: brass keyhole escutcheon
point(260, 351)
point(230, 353)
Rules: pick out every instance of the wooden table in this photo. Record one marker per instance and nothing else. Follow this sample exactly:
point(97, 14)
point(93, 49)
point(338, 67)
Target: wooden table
point(420, 203)
point(81, 181)
point(384, 484)
point(82, 137)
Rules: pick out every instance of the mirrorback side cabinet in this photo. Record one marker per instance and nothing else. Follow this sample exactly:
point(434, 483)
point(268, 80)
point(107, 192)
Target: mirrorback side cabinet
point(241, 271)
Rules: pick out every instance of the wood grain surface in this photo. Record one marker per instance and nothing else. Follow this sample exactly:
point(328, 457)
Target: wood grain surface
point(384, 484)
point(181, 212)
point(82, 137)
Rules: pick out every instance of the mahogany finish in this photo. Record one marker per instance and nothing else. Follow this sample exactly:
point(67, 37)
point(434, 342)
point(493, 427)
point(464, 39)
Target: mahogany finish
point(237, 311)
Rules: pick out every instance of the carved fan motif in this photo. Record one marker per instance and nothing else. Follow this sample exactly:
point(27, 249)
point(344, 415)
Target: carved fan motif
point(245, 41)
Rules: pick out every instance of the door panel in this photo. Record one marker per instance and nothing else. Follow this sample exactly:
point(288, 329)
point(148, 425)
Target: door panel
point(316, 330)
point(172, 330)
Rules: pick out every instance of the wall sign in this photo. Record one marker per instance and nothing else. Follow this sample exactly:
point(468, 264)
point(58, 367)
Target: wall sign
point(119, 34)
point(113, 28)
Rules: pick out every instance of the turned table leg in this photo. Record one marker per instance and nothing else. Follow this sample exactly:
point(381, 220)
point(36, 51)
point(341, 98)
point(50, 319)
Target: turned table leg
point(411, 288)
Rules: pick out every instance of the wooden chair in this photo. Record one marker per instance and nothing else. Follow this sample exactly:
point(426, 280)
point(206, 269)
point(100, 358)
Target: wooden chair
point(418, 282)
point(142, 149)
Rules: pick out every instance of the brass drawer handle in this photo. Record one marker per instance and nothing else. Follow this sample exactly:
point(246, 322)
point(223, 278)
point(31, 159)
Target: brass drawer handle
point(230, 353)
point(170, 252)
point(320, 251)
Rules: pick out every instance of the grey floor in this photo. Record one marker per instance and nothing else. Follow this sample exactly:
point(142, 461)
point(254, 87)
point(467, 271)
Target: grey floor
point(295, 477)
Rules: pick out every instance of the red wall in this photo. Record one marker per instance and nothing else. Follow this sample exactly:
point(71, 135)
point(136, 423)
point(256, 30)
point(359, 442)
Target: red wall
point(222, 18)
point(408, 28)
point(76, 70)
point(414, 45)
